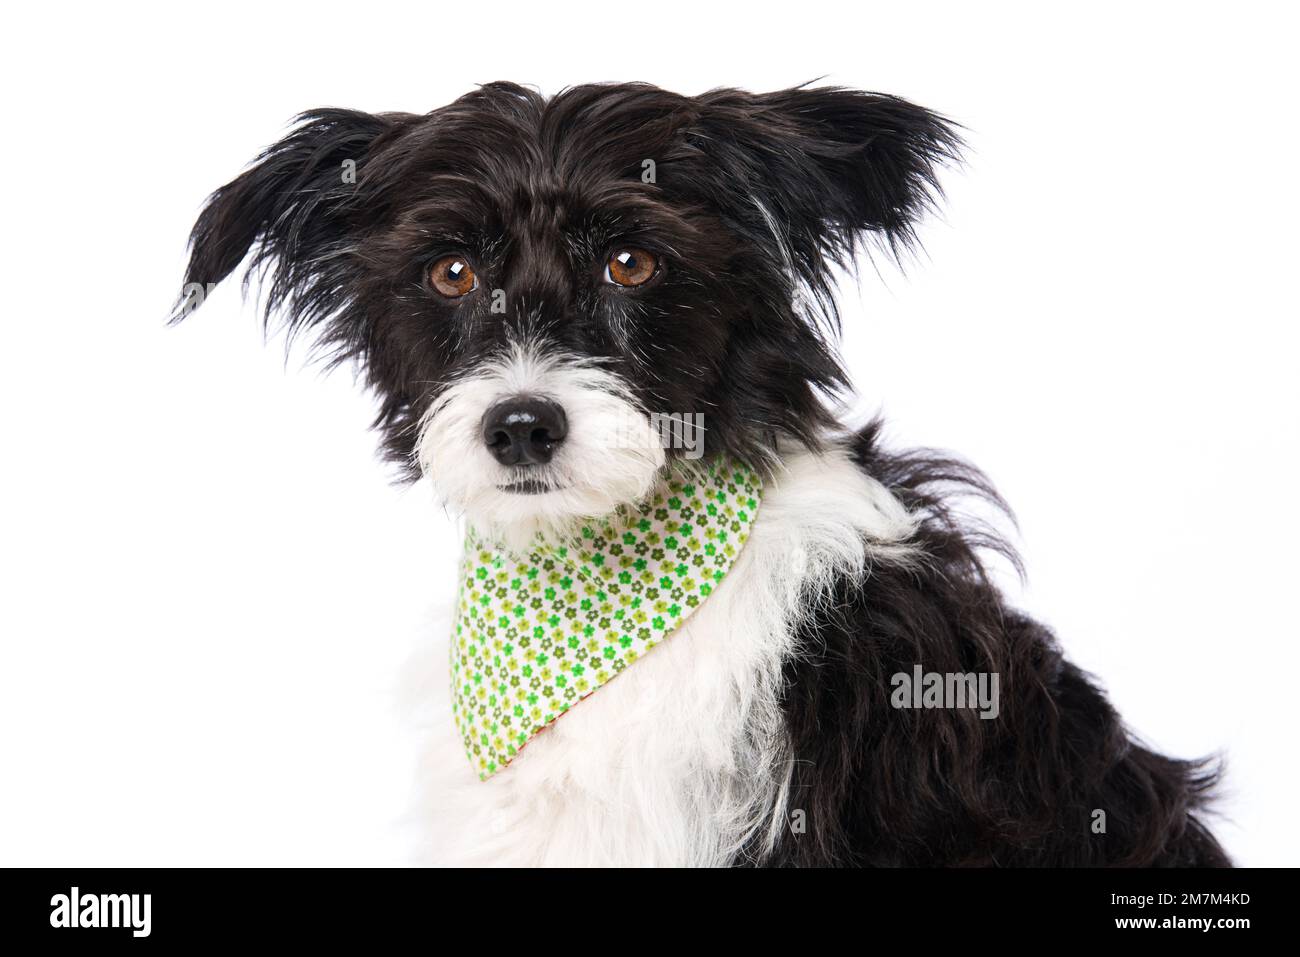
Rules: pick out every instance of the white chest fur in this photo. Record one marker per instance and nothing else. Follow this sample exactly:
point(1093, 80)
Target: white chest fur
point(682, 759)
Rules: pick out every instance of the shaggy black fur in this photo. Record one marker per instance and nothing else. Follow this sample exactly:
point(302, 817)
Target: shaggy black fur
point(756, 198)
point(885, 787)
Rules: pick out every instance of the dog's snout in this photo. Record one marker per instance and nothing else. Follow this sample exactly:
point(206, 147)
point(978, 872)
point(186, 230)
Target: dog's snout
point(524, 430)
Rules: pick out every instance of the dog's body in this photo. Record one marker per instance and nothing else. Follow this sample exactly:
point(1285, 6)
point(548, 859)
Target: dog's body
point(520, 279)
point(762, 733)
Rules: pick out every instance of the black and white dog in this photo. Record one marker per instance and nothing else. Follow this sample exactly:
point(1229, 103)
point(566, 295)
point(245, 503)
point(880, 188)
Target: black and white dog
point(516, 275)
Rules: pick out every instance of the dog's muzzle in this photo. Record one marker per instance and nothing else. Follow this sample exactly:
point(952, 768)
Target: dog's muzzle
point(531, 441)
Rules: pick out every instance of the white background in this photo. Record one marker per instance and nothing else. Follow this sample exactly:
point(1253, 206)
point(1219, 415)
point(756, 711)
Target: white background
point(211, 593)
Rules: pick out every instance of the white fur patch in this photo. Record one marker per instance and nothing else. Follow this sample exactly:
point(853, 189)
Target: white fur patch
point(612, 454)
point(682, 759)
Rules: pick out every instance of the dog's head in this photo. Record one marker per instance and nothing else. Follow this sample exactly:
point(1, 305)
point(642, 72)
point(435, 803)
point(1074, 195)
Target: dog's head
point(553, 296)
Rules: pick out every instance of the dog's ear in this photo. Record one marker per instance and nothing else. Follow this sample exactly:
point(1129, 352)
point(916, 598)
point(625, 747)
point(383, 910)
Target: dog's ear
point(826, 167)
point(296, 205)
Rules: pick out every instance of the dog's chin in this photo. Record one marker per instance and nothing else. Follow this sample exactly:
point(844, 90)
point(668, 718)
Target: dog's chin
point(516, 509)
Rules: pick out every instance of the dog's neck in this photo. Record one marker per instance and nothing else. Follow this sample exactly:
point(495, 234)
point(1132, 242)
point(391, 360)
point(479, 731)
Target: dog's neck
point(539, 629)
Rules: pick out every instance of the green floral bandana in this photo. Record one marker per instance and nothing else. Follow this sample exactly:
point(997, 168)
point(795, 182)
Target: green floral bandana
point(537, 633)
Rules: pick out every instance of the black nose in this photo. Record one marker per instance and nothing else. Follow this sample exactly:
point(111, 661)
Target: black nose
point(524, 430)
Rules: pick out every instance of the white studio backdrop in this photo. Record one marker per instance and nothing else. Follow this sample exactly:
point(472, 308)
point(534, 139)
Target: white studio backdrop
point(213, 596)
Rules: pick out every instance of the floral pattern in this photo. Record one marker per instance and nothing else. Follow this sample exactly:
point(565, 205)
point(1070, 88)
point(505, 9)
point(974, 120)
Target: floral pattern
point(535, 634)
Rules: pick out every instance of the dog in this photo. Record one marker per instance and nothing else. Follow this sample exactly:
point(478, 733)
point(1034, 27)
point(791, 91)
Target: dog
point(530, 284)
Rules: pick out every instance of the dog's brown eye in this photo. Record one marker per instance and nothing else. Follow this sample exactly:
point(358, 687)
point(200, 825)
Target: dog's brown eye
point(453, 277)
point(631, 267)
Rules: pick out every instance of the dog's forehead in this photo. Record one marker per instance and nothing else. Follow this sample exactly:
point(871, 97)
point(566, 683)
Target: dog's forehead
point(504, 170)
point(528, 199)
point(550, 153)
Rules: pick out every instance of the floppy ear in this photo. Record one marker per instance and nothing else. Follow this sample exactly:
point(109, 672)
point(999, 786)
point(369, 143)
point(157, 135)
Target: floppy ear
point(296, 205)
point(829, 165)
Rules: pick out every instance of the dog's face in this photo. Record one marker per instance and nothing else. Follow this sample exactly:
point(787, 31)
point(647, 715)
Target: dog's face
point(546, 293)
